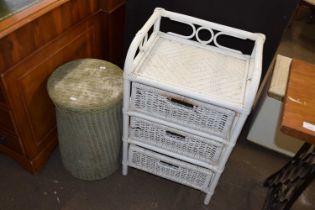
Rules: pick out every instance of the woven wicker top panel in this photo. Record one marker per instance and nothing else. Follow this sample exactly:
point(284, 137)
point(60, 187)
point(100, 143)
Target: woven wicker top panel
point(86, 85)
point(190, 68)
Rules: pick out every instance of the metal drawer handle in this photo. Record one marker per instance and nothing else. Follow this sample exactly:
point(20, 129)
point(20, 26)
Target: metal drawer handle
point(172, 135)
point(168, 165)
point(178, 102)
point(136, 128)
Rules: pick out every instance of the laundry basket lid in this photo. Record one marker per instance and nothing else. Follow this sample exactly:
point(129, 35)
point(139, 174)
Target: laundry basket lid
point(86, 85)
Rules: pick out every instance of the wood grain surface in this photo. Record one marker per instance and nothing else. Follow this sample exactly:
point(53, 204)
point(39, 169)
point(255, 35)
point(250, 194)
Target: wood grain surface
point(298, 117)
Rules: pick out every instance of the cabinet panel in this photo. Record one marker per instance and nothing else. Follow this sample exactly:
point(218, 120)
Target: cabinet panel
point(33, 43)
point(40, 31)
point(9, 141)
point(2, 100)
point(5, 120)
point(26, 83)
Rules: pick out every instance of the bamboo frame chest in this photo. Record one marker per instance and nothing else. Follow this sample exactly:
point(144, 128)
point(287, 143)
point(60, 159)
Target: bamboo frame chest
point(186, 99)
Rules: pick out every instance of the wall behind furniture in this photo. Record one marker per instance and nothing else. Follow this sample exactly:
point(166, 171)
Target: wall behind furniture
point(265, 16)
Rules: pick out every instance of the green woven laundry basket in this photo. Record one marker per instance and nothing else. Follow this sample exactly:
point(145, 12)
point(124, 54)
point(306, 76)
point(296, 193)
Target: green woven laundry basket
point(87, 94)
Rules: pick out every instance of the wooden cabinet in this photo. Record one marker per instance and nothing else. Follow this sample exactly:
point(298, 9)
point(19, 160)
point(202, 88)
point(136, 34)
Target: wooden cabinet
point(66, 30)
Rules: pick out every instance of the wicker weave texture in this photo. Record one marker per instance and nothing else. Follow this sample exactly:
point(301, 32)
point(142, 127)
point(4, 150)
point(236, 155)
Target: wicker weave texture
point(175, 170)
point(86, 84)
point(90, 142)
point(181, 110)
point(176, 141)
point(204, 71)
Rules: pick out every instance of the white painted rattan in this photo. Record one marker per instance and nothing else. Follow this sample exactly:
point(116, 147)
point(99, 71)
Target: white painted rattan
point(169, 168)
point(174, 140)
point(190, 84)
point(209, 72)
point(223, 61)
point(181, 110)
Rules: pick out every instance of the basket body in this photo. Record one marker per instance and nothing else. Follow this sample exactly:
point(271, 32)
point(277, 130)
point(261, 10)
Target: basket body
point(88, 98)
point(90, 142)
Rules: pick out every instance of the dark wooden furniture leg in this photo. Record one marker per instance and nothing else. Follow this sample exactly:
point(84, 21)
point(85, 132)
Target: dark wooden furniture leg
point(286, 185)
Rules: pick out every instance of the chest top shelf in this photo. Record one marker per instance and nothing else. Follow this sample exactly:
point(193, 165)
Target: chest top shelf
point(207, 71)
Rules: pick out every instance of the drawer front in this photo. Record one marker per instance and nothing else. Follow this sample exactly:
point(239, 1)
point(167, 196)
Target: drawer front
point(181, 110)
point(5, 120)
point(169, 168)
point(10, 142)
point(174, 140)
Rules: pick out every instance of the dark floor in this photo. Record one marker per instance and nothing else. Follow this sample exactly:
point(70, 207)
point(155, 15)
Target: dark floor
point(240, 187)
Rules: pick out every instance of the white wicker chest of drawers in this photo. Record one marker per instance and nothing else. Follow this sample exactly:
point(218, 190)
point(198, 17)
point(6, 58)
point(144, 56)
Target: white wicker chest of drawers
point(186, 99)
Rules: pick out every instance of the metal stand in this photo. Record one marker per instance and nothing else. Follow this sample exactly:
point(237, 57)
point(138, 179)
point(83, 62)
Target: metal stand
point(286, 185)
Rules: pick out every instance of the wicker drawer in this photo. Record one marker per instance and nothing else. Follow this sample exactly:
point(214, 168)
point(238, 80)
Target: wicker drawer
point(176, 141)
point(180, 110)
point(169, 168)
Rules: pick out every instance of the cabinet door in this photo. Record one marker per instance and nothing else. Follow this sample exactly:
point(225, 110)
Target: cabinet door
point(25, 83)
point(10, 142)
point(5, 120)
